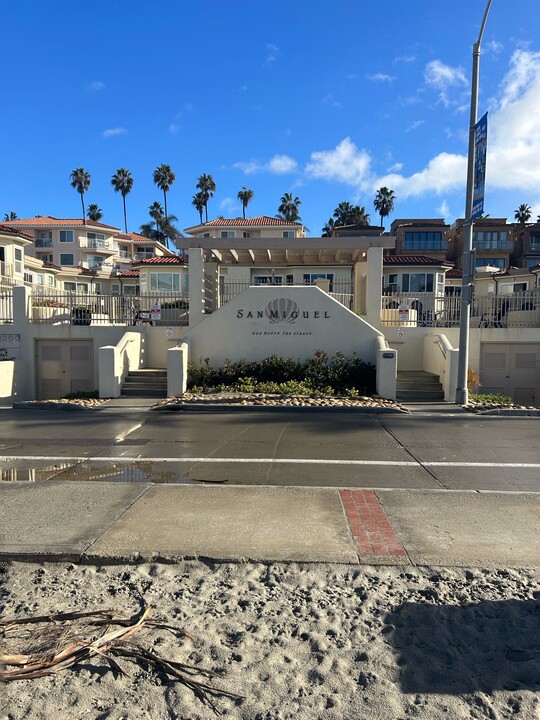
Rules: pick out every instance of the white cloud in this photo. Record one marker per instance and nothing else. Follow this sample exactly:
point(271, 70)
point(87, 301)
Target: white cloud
point(346, 163)
point(272, 53)
point(493, 46)
point(444, 172)
point(329, 99)
point(174, 128)
point(442, 77)
point(415, 125)
point(281, 164)
point(396, 167)
point(113, 132)
point(444, 209)
point(278, 165)
point(229, 205)
point(381, 77)
point(405, 59)
point(514, 127)
point(97, 85)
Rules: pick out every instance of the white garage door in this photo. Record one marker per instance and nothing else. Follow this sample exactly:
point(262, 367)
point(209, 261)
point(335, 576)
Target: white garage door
point(511, 369)
point(63, 366)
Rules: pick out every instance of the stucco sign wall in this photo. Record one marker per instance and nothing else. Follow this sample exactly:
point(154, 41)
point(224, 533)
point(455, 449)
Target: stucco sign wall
point(288, 321)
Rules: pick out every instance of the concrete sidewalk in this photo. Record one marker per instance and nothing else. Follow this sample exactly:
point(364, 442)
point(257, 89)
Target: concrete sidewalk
point(113, 522)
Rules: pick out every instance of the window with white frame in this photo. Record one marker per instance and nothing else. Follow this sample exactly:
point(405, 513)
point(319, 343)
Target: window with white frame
point(95, 261)
point(39, 279)
point(168, 282)
point(66, 236)
point(50, 280)
point(82, 288)
point(18, 260)
point(309, 278)
point(417, 282)
point(97, 288)
point(44, 239)
point(70, 286)
point(115, 289)
point(227, 234)
point(28, 277)
point(66, 259)
point(131, 290)
point(46, 258)
point(289, 234)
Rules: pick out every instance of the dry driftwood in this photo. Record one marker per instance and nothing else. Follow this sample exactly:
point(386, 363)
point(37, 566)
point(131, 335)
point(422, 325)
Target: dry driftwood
point(58, 641)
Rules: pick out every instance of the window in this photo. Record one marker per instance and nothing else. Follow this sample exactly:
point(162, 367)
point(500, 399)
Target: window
point(206, 235)
point(227, 234)
point(39, 279)
point(96, 240)
point(535, 242)
point(115, 289)
point(496, 262)
point(417, 282)
point(66, 258)
point(267, 280)
point(95, 261)
point(70, 286)
point(246, 234)
point(491, 240)
point(289, 234)
point(28, 277)
point(44, 239)
point(309, 278)
point(50, 280)
point(131, 290)
point(18, 260)
point(168, 282)
point(66, 236)
point(82, 288)
point(46, 258)
point(424, 241)
point(508, 288)
point(97, 288)
point(392, 279)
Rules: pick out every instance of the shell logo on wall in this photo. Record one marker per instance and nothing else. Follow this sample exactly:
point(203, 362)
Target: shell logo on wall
point(282, 310)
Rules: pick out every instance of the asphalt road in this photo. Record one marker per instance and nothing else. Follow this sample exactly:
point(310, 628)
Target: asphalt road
point(443, 451)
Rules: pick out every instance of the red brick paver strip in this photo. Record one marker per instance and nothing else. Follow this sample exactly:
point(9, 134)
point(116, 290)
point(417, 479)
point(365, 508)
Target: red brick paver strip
point(369, 525)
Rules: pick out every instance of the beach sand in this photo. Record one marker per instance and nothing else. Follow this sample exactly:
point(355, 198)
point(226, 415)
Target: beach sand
point(297, 641)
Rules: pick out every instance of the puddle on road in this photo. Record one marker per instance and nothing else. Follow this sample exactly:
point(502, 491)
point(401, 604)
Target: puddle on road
point(134, 472)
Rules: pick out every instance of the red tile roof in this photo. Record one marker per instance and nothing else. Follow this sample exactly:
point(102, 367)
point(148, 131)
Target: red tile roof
point(49, 220)
point(263, 220)
point(454, 273)
point(134, 236)
point(414, 260)
point(163, 260)
point(47, 264)
point(129, 274)
point(7, 230)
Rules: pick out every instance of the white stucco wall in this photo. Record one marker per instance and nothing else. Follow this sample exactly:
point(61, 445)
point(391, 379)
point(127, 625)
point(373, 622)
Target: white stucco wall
point(309, 320)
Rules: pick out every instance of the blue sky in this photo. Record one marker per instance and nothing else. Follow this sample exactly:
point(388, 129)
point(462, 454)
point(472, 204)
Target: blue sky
point(328, 101)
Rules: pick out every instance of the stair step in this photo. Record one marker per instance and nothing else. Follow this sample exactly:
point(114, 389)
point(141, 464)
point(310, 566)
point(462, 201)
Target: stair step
point(144, 392)
point(148, 373)
point(146, 380)
point(419, 395)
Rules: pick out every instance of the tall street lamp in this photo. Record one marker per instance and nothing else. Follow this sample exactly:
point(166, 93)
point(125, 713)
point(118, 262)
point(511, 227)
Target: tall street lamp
point(462, 393)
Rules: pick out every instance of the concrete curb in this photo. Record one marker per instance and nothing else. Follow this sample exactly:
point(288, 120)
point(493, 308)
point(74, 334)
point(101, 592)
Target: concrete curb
point(193, 407)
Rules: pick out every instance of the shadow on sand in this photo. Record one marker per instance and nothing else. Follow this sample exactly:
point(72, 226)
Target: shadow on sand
point(474, 648)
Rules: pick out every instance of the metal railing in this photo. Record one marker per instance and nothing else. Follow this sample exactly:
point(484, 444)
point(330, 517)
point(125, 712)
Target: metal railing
point(429, 310)
point(6, 306)
point(340, 290)
point(6, 269)
point(83, 309)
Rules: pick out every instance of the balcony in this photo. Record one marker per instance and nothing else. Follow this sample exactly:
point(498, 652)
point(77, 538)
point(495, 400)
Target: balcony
point(143, 255)
point(102, 245)
point(44, 242)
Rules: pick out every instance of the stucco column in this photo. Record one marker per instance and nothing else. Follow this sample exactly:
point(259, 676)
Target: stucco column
point(177, 370)
point(21, 302)
point(196, 285)
point(374, 285)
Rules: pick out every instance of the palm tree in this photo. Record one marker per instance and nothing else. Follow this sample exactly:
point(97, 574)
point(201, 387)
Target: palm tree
point(94, 212)
point(245, 196)
point(328, 229)
point(10, 216)
point(384, 202)
point(288, 210)
point(164, 178)
point(523, 213)
point(207, 186)
point(80, 180)
point(347, 214)
point(122, 182)
point(198, 202)
point(147, 229)
point(157, 214)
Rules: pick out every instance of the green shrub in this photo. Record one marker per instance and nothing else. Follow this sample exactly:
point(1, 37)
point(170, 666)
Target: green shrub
point(82, 395)
point(321, 374)
point(491, 398)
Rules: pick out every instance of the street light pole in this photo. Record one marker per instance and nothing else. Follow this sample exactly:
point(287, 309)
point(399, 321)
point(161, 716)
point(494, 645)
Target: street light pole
point(462, 393)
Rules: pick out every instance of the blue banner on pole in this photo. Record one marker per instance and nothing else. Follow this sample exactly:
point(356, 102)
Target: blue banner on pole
point(480, 151)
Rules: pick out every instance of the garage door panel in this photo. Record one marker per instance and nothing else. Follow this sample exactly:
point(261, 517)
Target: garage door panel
point(511, 369)
point(63, 366)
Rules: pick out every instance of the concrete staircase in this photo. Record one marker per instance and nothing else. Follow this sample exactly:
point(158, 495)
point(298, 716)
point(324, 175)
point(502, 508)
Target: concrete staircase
point(418, 386)
point(145, 383)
